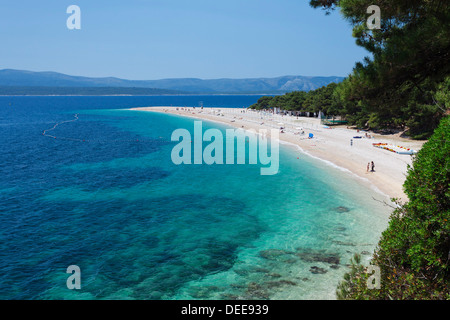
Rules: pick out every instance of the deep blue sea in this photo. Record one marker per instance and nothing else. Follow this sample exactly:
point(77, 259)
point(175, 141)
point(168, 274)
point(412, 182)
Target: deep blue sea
point(100, 191)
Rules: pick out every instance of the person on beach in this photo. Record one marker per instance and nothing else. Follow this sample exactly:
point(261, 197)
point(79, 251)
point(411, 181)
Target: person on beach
point(368, 166)
point(373, 167)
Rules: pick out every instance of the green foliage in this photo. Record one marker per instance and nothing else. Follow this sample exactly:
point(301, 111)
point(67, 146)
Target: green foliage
point(263, 103)
point(414, 252)
point(428, 189)
point(443, 94)
point(401, 84)
point(404, 85)
point(321, 99)
point(354, 284)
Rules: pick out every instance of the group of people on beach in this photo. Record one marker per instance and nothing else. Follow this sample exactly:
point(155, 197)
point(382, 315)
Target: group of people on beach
point(371, 166)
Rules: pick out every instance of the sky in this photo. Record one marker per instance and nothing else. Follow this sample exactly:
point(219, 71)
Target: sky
point(158, 39)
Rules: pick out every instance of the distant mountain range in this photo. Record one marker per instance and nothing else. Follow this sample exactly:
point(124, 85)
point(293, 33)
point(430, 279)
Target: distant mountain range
point(43, 81)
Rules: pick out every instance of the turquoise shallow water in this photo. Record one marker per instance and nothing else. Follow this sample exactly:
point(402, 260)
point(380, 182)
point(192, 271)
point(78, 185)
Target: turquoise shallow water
point(140, 227)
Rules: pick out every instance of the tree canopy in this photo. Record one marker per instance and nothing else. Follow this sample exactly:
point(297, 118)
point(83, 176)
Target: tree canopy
point(398, 85)
point(414, 252)
point(404, 82)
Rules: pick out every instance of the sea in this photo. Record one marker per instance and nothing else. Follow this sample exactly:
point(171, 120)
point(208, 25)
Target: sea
point(87, 182)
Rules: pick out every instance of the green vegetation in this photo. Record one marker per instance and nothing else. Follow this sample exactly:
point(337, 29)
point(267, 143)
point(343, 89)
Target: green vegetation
point(322, 99)
point(414, 252)
point(404, 84)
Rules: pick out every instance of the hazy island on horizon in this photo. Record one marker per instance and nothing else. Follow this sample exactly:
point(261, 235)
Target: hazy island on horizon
point(20, 82)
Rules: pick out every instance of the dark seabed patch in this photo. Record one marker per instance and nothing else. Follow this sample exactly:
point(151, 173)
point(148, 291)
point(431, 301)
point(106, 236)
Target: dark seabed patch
point(341, 209)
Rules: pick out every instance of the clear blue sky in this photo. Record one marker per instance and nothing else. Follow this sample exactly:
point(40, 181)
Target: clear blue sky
point(155, 39)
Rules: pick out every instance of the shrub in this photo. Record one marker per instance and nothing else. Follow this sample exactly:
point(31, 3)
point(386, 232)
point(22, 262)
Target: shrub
point(414, 252)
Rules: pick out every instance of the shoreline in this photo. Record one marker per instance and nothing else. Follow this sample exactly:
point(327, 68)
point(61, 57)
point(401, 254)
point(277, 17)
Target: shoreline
point(330, 145)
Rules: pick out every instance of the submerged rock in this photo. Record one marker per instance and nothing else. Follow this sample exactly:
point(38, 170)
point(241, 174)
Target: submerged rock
point(317, 270)
point(241, 272)
point(237, 286)
point(309, 255)
point(256, 291)
point(305, 279)
point(343, 243)
point(288, 282)
point(290, 261)
point(203, 292)
point(278, 255)
point(274, 275)
point(259, 270)
point(275, 284)
point(274, 254)
point(341, 209)
point(229, 296)
point(334, 266)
